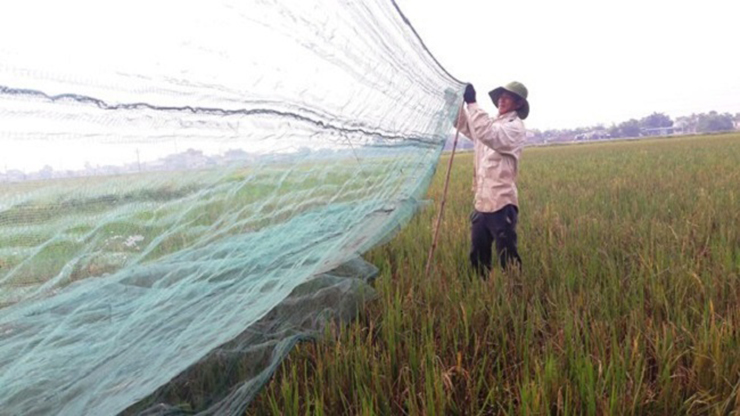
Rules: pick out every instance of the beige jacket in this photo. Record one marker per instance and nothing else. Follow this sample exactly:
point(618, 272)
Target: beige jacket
point(498, 148)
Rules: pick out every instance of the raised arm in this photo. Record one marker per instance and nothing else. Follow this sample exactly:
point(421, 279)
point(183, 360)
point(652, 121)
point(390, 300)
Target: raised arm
point(504, 137)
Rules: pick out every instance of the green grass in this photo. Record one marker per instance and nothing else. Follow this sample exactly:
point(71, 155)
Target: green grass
point(66, 230)
point(628, 302)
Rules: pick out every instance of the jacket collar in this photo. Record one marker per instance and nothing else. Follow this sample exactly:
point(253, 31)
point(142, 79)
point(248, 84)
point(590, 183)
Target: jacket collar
point(510, 114)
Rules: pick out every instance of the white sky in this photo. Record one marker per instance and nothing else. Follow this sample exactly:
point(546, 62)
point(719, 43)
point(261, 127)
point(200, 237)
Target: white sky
point(587, 62)
point(584, 62)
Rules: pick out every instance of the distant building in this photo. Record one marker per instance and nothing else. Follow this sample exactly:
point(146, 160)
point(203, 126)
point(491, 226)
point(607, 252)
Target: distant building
point(685, 125)
point(562, 138)
point(189, 159)
point(593, 135)
point(237, 155)
point(661, 131)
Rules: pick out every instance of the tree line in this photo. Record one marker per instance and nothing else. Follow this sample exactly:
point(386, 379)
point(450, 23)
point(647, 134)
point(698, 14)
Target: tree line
point(655, 124)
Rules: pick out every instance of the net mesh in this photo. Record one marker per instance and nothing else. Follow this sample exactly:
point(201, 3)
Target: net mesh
point(186, 187)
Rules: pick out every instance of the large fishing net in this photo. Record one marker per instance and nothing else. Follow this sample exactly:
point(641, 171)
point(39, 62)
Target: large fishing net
point(186, 188)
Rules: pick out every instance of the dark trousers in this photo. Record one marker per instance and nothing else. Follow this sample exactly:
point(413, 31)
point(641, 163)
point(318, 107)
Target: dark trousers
point(498, 227)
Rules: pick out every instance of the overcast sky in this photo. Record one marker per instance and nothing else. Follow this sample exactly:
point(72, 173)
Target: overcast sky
point(587, 62)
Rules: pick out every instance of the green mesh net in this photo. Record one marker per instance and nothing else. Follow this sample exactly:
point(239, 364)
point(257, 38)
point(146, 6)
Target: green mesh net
point(186, 189)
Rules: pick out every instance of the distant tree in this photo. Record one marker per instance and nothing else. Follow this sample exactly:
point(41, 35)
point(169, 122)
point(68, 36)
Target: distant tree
point(614, 131)
point(535, 136)
point(656, 120)
point(714, 121)
point(46, 172)
point(630, 128)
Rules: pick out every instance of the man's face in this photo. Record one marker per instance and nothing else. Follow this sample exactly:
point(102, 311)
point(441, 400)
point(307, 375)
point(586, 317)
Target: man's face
point(508, 102)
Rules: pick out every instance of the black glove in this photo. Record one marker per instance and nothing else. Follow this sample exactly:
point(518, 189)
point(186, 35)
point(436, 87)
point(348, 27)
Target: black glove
point(469, 95)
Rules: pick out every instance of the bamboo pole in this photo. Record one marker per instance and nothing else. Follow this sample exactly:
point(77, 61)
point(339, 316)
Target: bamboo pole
point(444, 198)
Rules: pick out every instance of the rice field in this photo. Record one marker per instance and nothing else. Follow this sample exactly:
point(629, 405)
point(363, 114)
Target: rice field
point(628, 303)
point(57, 232)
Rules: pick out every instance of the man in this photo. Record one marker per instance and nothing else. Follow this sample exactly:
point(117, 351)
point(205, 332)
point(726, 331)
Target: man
point(498, 148)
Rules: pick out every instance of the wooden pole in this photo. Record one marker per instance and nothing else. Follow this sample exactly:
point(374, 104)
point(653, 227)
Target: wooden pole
point(444, 198)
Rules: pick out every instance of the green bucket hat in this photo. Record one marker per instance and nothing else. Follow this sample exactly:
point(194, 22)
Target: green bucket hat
point(516, 88)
